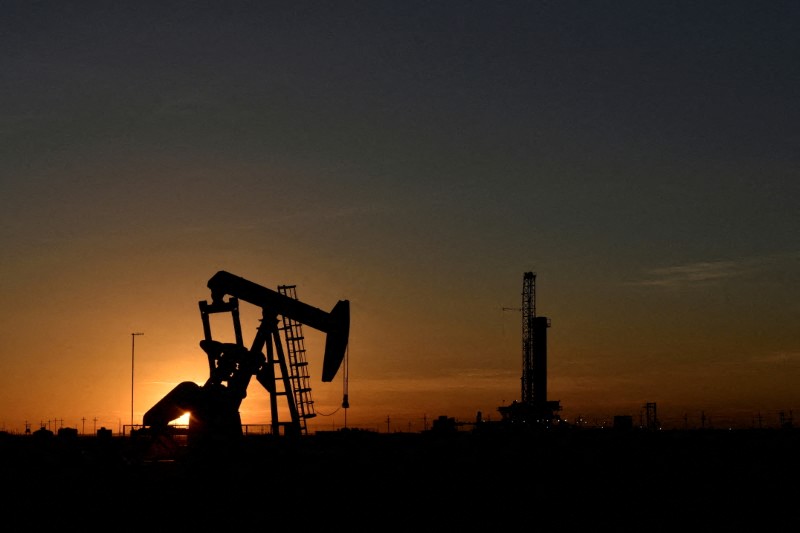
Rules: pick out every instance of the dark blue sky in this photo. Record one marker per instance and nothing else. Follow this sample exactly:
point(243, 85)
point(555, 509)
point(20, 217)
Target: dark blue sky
point(416, 158)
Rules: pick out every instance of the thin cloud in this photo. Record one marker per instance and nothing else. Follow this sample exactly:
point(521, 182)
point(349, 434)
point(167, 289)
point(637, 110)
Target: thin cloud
point(708, 272)
point(691, 274)
point(781, 357)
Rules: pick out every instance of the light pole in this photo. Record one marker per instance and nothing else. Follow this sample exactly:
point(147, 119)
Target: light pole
point(133, 347)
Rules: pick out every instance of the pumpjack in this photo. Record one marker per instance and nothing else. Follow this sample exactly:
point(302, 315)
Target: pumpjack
point(214, 406)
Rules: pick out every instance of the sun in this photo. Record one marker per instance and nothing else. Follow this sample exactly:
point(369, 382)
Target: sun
point(181, 420)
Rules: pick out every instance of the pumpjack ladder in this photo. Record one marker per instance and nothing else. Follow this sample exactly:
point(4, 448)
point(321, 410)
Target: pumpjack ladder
point(298, 365)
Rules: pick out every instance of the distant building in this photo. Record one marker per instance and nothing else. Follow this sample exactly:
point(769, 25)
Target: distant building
point(624, 422)
point(67, 433)
point(42, 433)
point(444, 424)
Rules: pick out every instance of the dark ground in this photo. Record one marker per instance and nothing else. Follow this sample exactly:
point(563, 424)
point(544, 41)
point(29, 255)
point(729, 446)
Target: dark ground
point(574, 480)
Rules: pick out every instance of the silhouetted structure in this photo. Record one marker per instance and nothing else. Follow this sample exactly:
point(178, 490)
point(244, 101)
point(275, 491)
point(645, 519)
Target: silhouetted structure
point(214, 407)
point(651, 417)
point(533, 409)
point(623, 422)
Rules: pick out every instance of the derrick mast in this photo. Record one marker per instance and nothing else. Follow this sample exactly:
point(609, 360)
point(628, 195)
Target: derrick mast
point(533, 408)
point(528, 314)
point(534, 345)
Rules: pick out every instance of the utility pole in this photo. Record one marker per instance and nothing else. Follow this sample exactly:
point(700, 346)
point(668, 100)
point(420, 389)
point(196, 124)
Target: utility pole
point(133, 347)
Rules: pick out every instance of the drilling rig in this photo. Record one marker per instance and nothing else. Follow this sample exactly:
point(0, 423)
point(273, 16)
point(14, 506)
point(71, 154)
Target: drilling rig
point(533, 410)
point(214, 406)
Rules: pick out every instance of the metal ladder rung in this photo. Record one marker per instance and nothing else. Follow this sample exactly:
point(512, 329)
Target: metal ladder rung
point(297, 376)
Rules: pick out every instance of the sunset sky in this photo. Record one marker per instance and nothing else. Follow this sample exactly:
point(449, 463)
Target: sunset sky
point(415, 158)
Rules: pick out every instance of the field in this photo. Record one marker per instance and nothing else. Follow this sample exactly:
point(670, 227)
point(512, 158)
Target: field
point(546, 481)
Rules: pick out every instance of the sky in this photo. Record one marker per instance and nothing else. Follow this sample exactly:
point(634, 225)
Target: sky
point(415, 158)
